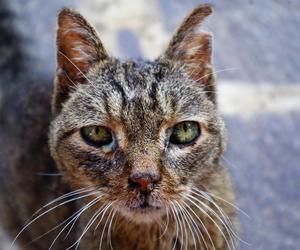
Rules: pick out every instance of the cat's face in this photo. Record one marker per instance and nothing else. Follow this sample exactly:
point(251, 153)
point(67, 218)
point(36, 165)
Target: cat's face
point(141, 134)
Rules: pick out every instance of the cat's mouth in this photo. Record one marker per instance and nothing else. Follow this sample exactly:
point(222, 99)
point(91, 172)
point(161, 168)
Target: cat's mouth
point(145, 207)
point(142, 214)
point(142, 210)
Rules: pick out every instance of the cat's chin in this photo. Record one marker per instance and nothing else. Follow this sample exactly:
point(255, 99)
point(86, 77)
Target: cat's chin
point(141, 214)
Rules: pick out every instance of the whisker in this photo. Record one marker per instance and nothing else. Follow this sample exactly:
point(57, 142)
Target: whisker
point(224, 215)
point(50, 174)
point(188, 222)
point(202, 224)
point(102, 217)
point(67, 195)
point(114, 224)
point(195, 229)
point(184, 231)
point(176, 225)
point(204, 212)
point(215, 72)
point(161, 224)
point(229, 203)
point(47, 211)
point(75, 66)
point(180, 226)
point(87, 207)
point(186, 69)
point(51, 230)
point(76, 86)
point(206, 196)
point(103, 229)
point(74, 220)
point(225, 223)
point(166, 225)
point(109, 229)
point(87, 227)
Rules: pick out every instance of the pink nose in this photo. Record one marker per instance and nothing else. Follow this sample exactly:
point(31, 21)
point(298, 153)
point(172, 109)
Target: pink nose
point(143, 182)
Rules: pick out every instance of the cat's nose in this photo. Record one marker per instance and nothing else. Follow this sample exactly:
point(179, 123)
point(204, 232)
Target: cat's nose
point(143, 182)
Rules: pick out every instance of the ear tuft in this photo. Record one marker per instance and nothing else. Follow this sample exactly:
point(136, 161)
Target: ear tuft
point(193, 48)
point(78, 49)
point(188, 29)
point(78, 46)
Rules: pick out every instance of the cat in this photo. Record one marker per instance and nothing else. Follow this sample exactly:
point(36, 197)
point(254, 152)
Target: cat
point(136, 148)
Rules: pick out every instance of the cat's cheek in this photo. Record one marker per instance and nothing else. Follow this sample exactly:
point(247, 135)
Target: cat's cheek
point(81, 174)
point(84, 164)
point(195, 163)
point(74, 176)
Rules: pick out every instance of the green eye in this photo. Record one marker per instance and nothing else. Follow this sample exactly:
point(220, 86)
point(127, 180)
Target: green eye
point(185, 132)
point(98, 136)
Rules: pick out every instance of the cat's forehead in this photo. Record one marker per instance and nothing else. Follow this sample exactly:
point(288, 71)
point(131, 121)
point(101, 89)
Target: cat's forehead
point(139, 95)
point(136, 76)
point(144, 80)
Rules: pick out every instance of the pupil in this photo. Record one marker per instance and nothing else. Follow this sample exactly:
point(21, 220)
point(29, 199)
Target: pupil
point(97, 130)
point(184, 133)
point(185, 127)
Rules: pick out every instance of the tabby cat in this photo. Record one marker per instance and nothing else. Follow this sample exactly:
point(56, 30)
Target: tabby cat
point(136, 146)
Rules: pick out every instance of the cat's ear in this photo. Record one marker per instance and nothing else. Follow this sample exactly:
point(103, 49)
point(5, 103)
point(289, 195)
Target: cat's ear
point(192, 48)
point(78, 49)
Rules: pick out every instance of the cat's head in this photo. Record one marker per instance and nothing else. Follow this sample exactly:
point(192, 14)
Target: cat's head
point(140, 133)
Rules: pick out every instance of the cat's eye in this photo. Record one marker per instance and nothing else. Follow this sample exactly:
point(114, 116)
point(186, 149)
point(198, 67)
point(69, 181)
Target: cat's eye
point(185, 133)
point(98, 136)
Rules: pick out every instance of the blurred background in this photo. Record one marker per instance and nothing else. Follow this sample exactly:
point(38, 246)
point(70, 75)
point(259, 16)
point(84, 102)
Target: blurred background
point(256, 51)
